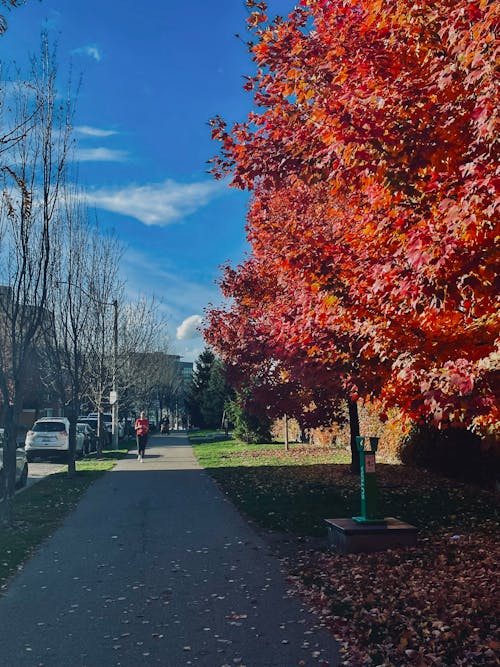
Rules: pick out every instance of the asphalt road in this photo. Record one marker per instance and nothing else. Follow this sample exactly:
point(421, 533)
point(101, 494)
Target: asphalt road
point(156, 567)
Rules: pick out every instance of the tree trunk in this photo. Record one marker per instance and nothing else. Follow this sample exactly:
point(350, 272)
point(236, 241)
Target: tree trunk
point(8, 477)
point(73, 417)
point(99, 432)
point(354, 431)
point(287, 446)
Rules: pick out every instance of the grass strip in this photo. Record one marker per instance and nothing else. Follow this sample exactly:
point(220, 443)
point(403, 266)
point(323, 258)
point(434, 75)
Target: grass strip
point(42, 507)
point(294, 491)
point(434, 604)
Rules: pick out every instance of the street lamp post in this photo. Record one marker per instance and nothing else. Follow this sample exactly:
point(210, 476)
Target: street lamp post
point(114, 392)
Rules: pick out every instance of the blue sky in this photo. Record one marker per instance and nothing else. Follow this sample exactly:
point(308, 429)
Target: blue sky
point(152, 77)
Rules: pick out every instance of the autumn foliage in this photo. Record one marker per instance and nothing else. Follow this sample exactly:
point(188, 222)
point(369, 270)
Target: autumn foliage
point(372, 154)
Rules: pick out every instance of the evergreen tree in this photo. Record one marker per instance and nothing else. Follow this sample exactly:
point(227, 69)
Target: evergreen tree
point(199, 387)
point(214, 398)
point(248, 425)
point(209, 391)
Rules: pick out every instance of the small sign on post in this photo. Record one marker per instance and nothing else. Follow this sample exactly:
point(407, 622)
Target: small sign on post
point(113, 397)
point(369, 462)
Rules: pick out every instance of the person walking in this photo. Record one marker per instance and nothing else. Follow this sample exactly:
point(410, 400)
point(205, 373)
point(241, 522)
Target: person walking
point(141, 431)
point(165, 425)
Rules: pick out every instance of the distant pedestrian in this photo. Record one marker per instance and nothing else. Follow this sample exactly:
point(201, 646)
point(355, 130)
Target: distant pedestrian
point(141, 431)
point(165, 425)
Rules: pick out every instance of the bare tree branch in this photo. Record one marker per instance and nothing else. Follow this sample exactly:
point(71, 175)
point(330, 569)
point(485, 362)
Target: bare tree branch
point(32, 178)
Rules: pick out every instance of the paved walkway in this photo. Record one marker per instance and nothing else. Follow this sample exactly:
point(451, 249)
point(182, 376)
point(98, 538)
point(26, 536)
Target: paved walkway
point(156, 567)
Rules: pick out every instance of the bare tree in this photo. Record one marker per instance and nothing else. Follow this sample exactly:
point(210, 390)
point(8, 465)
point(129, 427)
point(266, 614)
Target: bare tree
point(170, 383)
point(68, 351)
point(143, 331)
point(9, 4)
point(105, 290)
point(32, 179)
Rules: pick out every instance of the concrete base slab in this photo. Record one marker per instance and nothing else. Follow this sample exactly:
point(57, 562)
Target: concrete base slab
point(349, 536)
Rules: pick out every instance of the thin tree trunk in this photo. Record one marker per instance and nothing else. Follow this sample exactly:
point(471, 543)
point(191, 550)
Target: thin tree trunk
point(99, 432)
point(8, 477)
point(287, 446)
point(72, 439)
point(354, 431)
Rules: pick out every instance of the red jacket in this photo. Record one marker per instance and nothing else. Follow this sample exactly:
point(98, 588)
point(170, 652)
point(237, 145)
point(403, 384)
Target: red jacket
point(141, 426)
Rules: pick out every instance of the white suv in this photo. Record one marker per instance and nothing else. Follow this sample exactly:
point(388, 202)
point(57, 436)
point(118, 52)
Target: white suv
point(50, 436)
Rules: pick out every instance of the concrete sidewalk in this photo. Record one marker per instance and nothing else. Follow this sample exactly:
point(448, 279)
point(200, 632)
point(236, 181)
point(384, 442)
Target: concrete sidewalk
point(156, 567)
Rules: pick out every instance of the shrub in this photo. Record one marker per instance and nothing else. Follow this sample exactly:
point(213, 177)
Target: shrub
point(249, 427)
point(454, 452)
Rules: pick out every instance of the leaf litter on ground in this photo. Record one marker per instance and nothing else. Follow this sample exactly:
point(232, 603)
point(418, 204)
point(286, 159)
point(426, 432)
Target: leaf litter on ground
point(435, 604)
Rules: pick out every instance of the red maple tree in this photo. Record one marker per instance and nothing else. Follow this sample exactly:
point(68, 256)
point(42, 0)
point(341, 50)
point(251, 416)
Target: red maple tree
point(373, 157)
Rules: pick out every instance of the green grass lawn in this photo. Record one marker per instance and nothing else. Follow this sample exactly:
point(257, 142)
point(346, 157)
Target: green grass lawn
point(432, 604)
point(295, 491)
point(207, 435)
point(41, 508)
point(280, 490)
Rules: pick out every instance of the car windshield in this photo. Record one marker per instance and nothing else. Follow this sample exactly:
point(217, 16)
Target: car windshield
point(49, 427)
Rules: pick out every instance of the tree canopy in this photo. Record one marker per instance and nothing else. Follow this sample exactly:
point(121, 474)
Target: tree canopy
point(372, 154)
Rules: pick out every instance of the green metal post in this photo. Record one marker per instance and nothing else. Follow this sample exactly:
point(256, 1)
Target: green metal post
point(368, 481)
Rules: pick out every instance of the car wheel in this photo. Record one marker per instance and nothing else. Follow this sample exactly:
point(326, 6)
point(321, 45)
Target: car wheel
point(24, 477)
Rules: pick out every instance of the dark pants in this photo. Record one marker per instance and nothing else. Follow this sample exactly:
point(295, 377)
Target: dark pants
point(141, 443)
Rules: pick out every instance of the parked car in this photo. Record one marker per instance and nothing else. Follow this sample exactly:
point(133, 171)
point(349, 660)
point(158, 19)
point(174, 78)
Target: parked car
point(91, 421)
point(106, 422)
point(107, 419)
point(21, 464)
point(49, 436)
point(89, 436)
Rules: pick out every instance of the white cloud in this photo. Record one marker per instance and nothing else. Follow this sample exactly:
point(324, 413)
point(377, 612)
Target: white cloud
point(177, 296)
point(189, 328)
point(101, 154)
point(155, 203)
point(91, 50)
point(89, 131)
